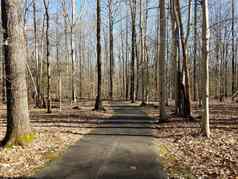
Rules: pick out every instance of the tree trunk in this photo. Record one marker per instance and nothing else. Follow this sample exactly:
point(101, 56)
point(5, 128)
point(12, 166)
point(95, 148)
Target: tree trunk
point(146, 55)
point(59, 95)
point(195, 54)
point(18, 120)
point(126, 63)
point(3, 80)
point(72, 46)
point(123, 61)
point(46, 5)
point(133, 46)
point(37, 96)
point(163, 115)
point(233, 47)
point(205, 53)
point(187, 112)
point(142, 54)
point(98, 104)
point(111, 54)
point(174, 58)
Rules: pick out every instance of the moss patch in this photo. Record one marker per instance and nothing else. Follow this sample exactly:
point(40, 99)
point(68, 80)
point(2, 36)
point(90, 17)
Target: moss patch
point(26, 139)
point(8, 146)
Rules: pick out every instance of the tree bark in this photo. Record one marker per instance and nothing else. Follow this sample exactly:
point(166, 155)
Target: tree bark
point(133, 48)
point(46, 5)
point(205, 53)
point(163, 114)
point(98, 104)
point(37, 95)
point(233, 47)
point(126, 63)
point(187, 112)
point(142, 53)
point(3, 80)
point(174, 58)
point(72, 46)
point(59, 95)
point(195, 54)
point(18, 120)
point(111, 54)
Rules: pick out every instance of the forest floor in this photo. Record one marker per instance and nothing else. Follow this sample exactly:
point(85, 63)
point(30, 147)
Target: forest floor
point(187, 150)
point(184, 153)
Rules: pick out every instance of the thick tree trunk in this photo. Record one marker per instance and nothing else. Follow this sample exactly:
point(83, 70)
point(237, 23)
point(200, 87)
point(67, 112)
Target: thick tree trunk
point(205, 53)
point(18, 120)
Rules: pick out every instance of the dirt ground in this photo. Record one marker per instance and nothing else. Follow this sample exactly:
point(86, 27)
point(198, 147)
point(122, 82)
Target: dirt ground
point(184, 152)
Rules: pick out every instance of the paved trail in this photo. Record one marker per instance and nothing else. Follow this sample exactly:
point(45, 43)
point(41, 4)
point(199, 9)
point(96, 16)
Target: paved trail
point(110, 153)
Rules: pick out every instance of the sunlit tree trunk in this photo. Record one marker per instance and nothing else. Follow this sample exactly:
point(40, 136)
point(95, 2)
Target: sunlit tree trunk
point(18, 120)
point(205, 53)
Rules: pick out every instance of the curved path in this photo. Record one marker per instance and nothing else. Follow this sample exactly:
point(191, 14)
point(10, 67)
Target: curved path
point(110, 153)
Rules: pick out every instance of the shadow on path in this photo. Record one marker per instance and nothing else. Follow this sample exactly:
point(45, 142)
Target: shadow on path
point(112, 153)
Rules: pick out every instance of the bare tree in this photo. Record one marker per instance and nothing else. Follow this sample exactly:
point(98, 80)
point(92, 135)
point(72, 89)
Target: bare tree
point(133, 48)
point(205, 53)
point(111, 57)
point(233, 47)
point(98, 104)
point(174, 58)
point(184, 85)
point(18, 120)
point(163, 115)
point(127, 58)
point(72, 46)
point(195, 53)
point(46, 5)
point(58, 62)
